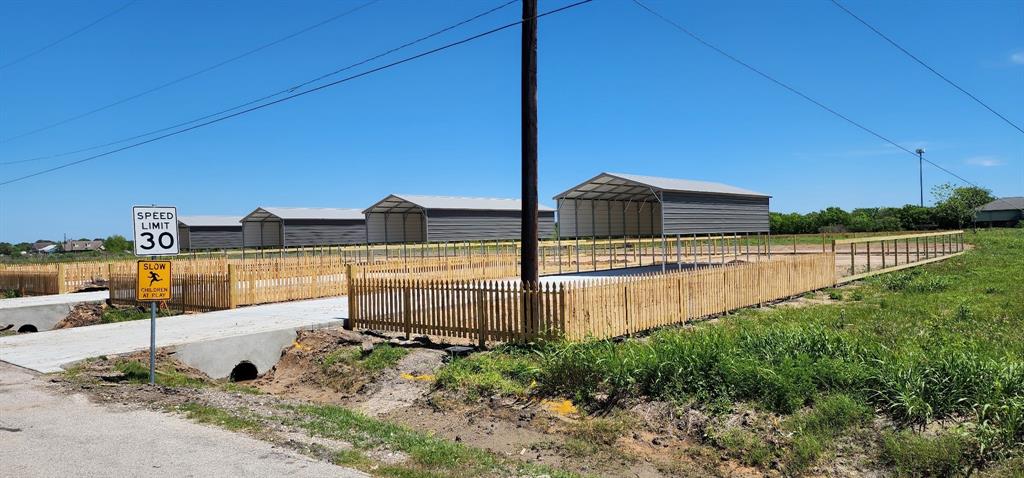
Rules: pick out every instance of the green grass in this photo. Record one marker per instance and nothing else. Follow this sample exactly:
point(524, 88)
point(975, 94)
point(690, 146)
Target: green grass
point(942, 341)
point(381, 357)
point(744, 445)
point(505, 371)
point(219, 417)
point(114, 314)
point(429, 456)
point(814, 430)
point(910, 454)
point(137, 372)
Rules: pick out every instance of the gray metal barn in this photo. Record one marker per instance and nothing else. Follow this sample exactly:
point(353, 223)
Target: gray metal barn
point(402, 218)
point(303, 226)
point(616, 204)
point(209, 232)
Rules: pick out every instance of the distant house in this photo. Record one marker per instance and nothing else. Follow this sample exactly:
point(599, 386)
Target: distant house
point(44, 247)
point(1001, 212)
point(83, 246)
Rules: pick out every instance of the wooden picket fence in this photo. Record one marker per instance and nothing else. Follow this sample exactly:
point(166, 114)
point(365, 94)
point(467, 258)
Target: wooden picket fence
point(219, 283)
point(31, 282)
point(280, 280)
point(53, 278)
point(451, 268)
point(504, 311)
point(190, 291)
point(472, 310)
point(619, 306)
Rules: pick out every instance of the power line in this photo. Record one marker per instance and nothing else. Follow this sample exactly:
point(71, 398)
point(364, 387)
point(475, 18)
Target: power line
point(929, 68)
point(792, 89)
point(301, 93)
point(65, 37)
point(193, 74)
point(290, 89)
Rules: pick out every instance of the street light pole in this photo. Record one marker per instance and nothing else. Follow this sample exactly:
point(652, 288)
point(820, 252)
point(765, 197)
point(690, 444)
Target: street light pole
point(920, 173)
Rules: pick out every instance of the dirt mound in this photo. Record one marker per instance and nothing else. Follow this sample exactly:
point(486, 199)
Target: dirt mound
point(135, 367)
point(82, 315)
point(311, 368)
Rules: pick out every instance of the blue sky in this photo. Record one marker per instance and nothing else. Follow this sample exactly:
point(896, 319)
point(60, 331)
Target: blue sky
point(619, 91)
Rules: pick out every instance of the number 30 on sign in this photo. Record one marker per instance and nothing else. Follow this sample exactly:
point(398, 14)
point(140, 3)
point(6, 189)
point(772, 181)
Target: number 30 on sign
point(156, 230)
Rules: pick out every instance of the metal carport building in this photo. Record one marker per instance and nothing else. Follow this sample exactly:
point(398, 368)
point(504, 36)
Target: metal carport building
point(197, 233)
point(618, 205)
point(409, 218)
point(303, 226)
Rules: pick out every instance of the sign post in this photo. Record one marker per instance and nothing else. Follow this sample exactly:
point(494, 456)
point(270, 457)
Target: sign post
point(156, 234)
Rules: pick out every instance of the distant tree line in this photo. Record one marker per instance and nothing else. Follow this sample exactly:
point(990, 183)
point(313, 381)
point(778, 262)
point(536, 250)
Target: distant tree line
point(113, 244)
point(954, 208)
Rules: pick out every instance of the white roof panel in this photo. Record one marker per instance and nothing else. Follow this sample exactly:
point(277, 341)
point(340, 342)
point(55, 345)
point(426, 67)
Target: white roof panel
point(686, 185)
point(210, 221)
point(624, 186)
point(457, 202)
point(314, 213)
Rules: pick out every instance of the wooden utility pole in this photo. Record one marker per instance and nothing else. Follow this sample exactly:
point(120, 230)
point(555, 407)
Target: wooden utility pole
point(529, 267)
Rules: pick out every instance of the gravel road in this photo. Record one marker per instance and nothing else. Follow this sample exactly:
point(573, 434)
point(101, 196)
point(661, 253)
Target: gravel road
point(45, 433)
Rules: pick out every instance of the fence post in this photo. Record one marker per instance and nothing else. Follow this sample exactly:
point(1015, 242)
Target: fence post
point(232, 287)
point(561, 312)
point(481, 317)
point(350, 284)
point(62, 285)
point(407, 310)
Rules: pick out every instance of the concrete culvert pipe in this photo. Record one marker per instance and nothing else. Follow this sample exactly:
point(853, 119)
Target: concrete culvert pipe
point(27, 328)
point(245, 370)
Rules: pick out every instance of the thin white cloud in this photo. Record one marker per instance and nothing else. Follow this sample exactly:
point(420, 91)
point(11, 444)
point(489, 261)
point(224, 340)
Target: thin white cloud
point(984, 161)
point(1017, 58)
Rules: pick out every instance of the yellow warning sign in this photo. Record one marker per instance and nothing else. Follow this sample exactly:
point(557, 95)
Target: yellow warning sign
point(154, 281)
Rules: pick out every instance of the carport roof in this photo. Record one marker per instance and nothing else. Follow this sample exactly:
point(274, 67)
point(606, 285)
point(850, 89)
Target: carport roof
point(624, 187)
point(211, 221)
point(305, 213)
point(399, 203)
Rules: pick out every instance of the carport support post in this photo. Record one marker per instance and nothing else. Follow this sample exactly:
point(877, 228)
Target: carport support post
point(679, 253)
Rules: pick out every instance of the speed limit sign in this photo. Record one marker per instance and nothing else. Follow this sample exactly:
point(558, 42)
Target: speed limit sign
point(156, 230)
